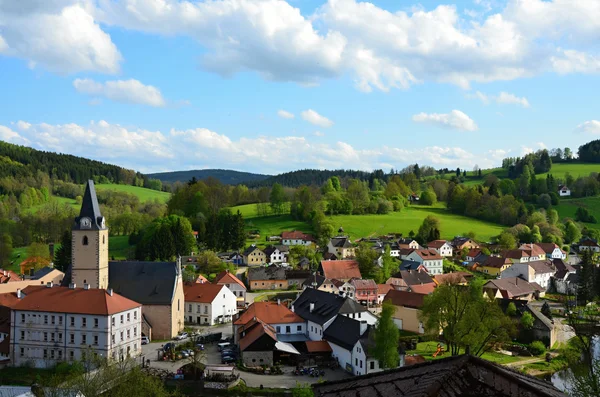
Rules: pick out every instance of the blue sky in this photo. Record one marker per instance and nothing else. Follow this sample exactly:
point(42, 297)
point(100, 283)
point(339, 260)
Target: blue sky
point(272, 86)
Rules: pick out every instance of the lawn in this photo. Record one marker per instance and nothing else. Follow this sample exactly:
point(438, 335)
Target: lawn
point(575, 169)
point(567, 208)
point(273, 226)
point(143, 193)
point(60, 200)
point(426, 349)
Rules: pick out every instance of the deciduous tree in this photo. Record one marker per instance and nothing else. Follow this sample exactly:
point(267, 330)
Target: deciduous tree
point(386, 337)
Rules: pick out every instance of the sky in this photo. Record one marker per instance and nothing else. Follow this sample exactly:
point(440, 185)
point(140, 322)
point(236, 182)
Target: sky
point(271, 86)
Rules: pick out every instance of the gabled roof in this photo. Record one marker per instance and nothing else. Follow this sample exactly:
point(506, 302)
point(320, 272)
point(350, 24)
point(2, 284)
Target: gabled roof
point(256, 332)
point(463, 375)
point(412, 277)
point(542, 267)
point(201, 279)
point(43, 272)
point(437, 244)
point(317, 279)
point(351, 306)
point(341, 270)
point(225, 277)
point(8, 276)
point(359, 284)
point(296, 235)
point(496, 262)
point(73, 300)
point(532, 249)
point(429, 254)
point(343, 331)
point(326, 305)
point(511, 287)
point(449, 278)
point(8, 299)
point(516, 254)
point(201, 292)
point(548, 248)
point(424, 289)
point(405, 299)
point(250, 250)
point(459, 241)
point(317, 346)
point(562, 268)
point(407, 264)
point(90, 209)
point(341, 242)
point(149, 283)
point(270, 313)
point(272, 272)
point(588, 242)
point(474, 252)
point(405, 241)
point(383, 289)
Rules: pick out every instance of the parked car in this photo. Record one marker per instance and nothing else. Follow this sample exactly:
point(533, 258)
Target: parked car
point(184, 354)
point(182, 336)
point(168, 346)
point(200, 346)
point(223, 345)
point(228, 352)
point(145, 340)
point(228, 360)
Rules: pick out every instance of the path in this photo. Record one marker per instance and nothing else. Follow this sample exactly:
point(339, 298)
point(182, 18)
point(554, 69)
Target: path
point(525, 362)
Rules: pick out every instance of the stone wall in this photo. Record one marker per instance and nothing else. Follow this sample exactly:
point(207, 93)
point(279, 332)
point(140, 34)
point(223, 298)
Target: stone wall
point(256, 359)
point(158, 316)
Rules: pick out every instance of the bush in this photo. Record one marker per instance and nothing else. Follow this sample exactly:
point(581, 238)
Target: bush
point(537, 348)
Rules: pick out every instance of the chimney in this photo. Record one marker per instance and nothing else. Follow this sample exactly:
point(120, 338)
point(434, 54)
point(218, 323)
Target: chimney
point(110, 291)
point(278, 301)
point(86, 286)
point(72, 286)
point(5, 272)
point(50, 284)
point(293, 309)
point(19, 293)
point(312, 307)
point(363, 326)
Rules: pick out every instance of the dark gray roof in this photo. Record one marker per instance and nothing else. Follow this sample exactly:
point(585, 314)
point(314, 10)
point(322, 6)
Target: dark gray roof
point(447, 377)
point(326, 305)
point(351, 306)
point(343, 331)
point(249, 250)
point(42, 272)
point(341, 242)
point(409, 265)
point(148, 283)
point(298, 274)
point(272, 272)
point(90, 209)
point(318, 279)
point(413, 277)
point(562, 268)
point(541, 267)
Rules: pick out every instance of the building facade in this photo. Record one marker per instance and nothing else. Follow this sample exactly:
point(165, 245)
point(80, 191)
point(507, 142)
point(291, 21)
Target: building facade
point(209, 304)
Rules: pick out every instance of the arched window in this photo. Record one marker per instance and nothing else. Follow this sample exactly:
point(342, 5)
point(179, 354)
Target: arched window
point(85, 240)
point(103, 239)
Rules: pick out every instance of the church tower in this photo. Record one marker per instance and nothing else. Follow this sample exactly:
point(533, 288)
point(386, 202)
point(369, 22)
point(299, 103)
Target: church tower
point(89, 256)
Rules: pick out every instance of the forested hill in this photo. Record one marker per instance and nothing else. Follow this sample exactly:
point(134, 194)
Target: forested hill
point(309, 177)
point(228, 177)
point(21, 162)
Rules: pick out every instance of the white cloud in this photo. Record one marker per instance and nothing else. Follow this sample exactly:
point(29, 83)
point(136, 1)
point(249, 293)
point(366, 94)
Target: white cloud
point(127, 91)
point(526, 150)
point(22, 125)
point(318, 133)
point(502, 98)
point(8, 135)
point(589, 127)
point(285, 114)
point(315, 118)
point(455, 120)
point(61, 36)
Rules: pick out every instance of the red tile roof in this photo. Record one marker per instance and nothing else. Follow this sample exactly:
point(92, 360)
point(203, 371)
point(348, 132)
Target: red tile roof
point(548, 247)
point(383, 289)
point(360, 284)
point(341, 270)
point(201, 293)
point(497, 263)
point(473, 252)
point(8, 299)
point(532, 249)
point(429, 254)
point(270, 313)
point(225, 277)
point(73, 300)
point(317, 346)
point(436, 244)
point(201, 279)
point(405, 298)
point(449, 278)
point(256, 332)
point(7, 276)
point(296, 235)
point(424, 289)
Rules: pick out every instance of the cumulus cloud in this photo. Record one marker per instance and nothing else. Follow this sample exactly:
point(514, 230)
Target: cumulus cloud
point(318, 133)
point(61, 36)
point(285, 114)
point(8, 135)
point(315, 118)
point(589, 127)
point(126, 91)
point(455, 120)
point(504, 98)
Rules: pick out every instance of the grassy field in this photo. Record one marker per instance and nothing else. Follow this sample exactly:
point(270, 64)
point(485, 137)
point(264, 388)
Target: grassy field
point(567, 208)
point(60, 200)
point(143, 193)
point(273, 226)
point(575, 169)
point(426, 349)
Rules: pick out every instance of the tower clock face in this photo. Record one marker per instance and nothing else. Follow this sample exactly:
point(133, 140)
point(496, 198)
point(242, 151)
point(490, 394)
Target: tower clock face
point(86, 223)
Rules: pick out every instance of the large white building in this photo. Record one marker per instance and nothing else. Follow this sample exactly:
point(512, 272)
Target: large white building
point(209, 304)
point(538, 272)
point(50, 324)
point(429, 258)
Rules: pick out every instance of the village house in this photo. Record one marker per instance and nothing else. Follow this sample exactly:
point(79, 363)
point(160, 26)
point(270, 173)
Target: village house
point(473, 255)
point(341, 247)
point(284, 321)
point(8, 276)
point(511, 288)
point(494, 265)
point(442, 247)
point(321, 283)
point(50, 324)
point(408, 243)
point(565, 280)
point(200, 279)
point(276, 253)
point(365, 291)
point(345, 289)
point(433, 262)
point(259, 345)
point(588, 244)
point(406, 310)
point(564, 191)
point(342, 270)
point(269, 277)
point(552, 251)
point(413, 281)
point(407, 264)
point(296, 238)
point(7, 301)
point(460, 243)
point(209, 304)
point(458, 278)
point(234, 284)
point(536, 253)
point(297, 277)
point(534, 272)
point(380, 247)
point(254, 256)
point(382, 290)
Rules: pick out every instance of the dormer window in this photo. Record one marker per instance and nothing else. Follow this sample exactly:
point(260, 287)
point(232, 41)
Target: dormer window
point(85, 223)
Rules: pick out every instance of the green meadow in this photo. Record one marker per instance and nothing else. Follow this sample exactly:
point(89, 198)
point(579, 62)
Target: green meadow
point(143, 193)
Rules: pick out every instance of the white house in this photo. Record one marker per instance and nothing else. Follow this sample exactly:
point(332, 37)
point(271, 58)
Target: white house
point(50, 324)
point(287, 324)
point(345, 289)
point(588, 244)
point(234, 284)
point(442, 247)
point(277, 253)
point(296, 238)
point(552, 251)
point(209, 304)
point(564, 191)
point(538, 272)
point(433, 261)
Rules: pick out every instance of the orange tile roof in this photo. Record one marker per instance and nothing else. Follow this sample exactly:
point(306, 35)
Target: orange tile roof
point(270, 313)
point(383, 289)
point(256, 332)
point(201, 279)
point(436, 243)
point(296, 235)
point(225, 277)
point(405, 299)
point(7, 276)
point(73, 300)
point(424, 289)
point(317, 346)
point(201, 293)
point(8, 299)
point(429, 254)
point(341, 270)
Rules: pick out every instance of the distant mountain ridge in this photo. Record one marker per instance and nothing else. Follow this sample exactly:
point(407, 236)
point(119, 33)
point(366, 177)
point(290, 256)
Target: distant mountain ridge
point(229, 177)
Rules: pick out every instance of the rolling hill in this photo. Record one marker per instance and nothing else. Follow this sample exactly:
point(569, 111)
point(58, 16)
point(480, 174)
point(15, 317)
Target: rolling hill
point(228, 177)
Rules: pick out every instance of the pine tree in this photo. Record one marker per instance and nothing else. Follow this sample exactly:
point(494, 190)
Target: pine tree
point(62, 256)
point(239, 237)
point(585, 290)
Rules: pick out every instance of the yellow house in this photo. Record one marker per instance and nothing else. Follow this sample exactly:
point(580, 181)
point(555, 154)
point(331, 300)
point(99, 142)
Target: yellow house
point(407, 307)
point(254, 256)
point(494, 265)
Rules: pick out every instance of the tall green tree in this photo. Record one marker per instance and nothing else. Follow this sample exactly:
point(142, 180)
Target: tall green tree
point(387, 265)
point(386, 336)
point(6, 249)
point(572, 233)
point(585, 289)
point(277, 198)
point(425, 230)
point(62, 256)
point(366, 257)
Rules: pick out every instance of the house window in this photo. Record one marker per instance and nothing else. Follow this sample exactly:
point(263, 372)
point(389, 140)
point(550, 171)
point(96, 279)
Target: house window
point(113, 338)
point(22, 335)
point(83, 322)
point(22, 318)
point(299, 328)
point(71, 354)
point(128, 317)
point(45, 337)
point(60, 336)
point(287, 329)
point(128, 334)
point(121, 319)
point(45, 353)
point(206, 309)
point(135, 315)
point(72, 321)
point(85, 240)
point(278, 328)
point(60, 354)
point(52, 354)
point(53, 319)
point(356, 361)
point(113, 321)
point(45, 319)
point(96, 340)
point(83, 339)
point(72, 338)
point(361, 363)
point(95, 323)
point(134, 331)
point(178, 301)
point(198, 309)
point(121, 336)
point(190, 308)
point(372, 365)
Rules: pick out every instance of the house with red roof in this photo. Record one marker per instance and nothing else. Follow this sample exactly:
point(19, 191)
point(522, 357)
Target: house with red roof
point(260, 345)
point(342, 270)
point(50, 324)
point(296, 237)
point(8, 276)
point(234, 284)
point(284, 321)
point(407, 307)
point(365, 291)
point(431, 259)
point(442, 247)
point(209, 304)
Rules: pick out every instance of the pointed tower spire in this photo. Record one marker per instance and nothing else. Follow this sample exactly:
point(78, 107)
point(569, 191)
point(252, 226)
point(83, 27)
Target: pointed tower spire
point(90, 217)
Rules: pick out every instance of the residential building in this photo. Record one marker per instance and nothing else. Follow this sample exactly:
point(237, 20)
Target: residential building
point(407, 307)
point(12, 282)
point(259, 345)
point(494, 265)
point(234, 284)
point(459, 243)
point(457, 278)
point(408, 243)
point(564, 191)
point(407, 264)
point(52, 324)
point(209, 304)
point(534, 272)
point(552, 251)
point(267, 277)
point(442, 247)
point(276, 253)
point(296, 238)
point(380, 247)
point(433, 262)
point(7, 301)
point(414, 281)
point(382, 290)
point(473, 254)
point(254, 256)
point(543, 328)
point(511, 288)
point(565, 280)
point(284, 321)
point(536, 253)
point(365, 291)
point(350, 345)
point(321, 283)
point(297, 277)
point(345, 289)
point(341, 247)
point(464, 375)
point(8, 276)
point(588, 244)
point(342, 270)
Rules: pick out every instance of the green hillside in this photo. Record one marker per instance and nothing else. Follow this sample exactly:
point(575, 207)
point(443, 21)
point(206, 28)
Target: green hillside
point(567, 208)
point(143, 193)
point(560, 170)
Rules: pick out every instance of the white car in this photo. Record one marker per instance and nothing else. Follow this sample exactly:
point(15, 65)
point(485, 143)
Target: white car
point(182, 336)
point(145, 340)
